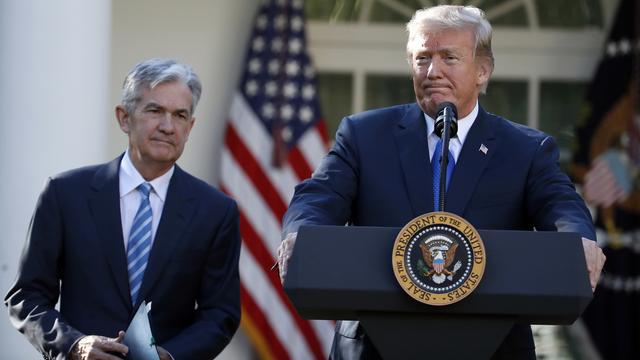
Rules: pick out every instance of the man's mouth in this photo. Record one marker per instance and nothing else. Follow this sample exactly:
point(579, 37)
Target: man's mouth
point(168, 142)
point(436, 87)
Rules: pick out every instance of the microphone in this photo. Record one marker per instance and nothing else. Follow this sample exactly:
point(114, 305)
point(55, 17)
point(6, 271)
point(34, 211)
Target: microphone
point(446, 127)
point(447, 114)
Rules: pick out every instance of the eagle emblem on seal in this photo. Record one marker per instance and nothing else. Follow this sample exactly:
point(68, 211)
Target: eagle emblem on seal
point(438, 254)
point(438, 258)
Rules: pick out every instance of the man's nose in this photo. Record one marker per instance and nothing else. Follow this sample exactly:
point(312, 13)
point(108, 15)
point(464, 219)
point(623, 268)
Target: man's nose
point(435, 69)
point(166, 123)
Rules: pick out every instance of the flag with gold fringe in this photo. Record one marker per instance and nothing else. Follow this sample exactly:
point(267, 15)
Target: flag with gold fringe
point(607, 163)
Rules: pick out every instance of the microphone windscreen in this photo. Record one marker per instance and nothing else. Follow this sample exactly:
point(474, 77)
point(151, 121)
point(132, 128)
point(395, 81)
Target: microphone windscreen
point(447, 109)
point(450, 105)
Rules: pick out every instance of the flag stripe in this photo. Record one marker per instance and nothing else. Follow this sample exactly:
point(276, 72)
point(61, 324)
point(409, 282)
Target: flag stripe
point(250, 166)
point(252, 242)
point(259, 252)
point(250, 203)
point(251, 129)
point(299, 164)
point(313, 145)
point(271, 347)
point(279, 316)
point(265, 261)
point(321, 128)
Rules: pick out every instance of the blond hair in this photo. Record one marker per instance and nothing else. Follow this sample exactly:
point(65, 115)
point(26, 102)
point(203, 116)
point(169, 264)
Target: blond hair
point(455, 17)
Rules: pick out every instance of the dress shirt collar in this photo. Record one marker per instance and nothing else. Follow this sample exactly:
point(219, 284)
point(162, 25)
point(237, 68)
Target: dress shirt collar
point(130, 179)
point(464, 124)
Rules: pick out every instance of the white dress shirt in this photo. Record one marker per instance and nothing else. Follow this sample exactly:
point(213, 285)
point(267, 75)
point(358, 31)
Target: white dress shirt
point(130, 179)
point(455, 144)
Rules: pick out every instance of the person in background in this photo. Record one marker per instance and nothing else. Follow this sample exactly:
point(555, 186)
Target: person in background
point(107, 237)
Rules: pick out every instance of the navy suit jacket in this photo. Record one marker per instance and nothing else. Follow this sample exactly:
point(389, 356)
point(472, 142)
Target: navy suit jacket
point(378, 173)
point(75, 252)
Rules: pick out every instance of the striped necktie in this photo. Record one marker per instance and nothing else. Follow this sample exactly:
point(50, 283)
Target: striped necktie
point(435, 165)
point(139, 244)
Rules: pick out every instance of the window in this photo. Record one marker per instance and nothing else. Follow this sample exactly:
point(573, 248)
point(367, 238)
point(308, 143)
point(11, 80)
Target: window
point(545, 50)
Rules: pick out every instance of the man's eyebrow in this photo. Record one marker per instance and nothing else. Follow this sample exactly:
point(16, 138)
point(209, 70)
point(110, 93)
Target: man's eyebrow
point(152, 104)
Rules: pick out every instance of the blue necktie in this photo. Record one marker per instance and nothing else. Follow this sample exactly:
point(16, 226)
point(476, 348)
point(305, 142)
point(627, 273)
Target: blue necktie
point(139, 244)
point(435, 165)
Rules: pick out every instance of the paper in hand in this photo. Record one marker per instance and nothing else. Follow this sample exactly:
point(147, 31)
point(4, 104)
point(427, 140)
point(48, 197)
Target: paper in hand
point(139, 338)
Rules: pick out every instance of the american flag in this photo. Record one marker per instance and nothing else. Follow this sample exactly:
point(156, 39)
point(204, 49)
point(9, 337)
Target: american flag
point(275, 137)
point(609, 179)
point(608, 153)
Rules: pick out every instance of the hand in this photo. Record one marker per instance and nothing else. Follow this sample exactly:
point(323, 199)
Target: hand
point(98, 347)
point(164, 354)
point(284, 253)
point(595, 261)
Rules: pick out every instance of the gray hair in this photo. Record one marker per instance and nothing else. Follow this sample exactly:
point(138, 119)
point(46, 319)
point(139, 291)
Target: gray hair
point(453, 16)
point(153, 72)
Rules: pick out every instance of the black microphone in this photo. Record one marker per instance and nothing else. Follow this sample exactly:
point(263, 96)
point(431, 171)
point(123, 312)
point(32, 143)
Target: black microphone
point(447, 113)
point(446, 127)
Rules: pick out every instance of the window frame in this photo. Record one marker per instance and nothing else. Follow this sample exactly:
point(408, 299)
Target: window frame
point(533, 55)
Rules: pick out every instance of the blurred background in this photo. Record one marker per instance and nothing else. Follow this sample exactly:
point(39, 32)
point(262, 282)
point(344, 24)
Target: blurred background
point(567, 67)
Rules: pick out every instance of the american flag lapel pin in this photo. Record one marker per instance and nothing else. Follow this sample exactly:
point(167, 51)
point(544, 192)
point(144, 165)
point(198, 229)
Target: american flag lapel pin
point(483, 149)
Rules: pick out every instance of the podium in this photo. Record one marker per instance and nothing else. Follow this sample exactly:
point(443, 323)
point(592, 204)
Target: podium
point(345, 273)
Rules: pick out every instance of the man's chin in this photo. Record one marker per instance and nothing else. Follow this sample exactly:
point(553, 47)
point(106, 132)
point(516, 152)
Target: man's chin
point(430, 106)
point(437, 99)
point(162, 157)
point(163, 150)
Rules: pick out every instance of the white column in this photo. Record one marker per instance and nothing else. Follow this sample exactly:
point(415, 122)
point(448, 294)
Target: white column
point(54, 96)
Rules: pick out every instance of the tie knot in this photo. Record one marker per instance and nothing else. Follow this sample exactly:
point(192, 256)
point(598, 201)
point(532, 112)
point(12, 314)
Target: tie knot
point(145, 189)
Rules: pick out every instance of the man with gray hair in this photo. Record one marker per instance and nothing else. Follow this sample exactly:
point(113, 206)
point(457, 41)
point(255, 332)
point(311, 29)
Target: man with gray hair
point(107, 237)
point(380, 171)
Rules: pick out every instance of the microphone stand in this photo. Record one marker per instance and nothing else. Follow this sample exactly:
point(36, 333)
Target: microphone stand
point(446, 134)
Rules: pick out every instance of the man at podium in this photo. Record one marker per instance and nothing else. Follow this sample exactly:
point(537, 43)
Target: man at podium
point(379, 172)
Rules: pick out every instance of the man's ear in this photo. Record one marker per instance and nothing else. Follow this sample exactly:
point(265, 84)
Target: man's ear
point(122, 115)
point(191, 123)
point(484, 70)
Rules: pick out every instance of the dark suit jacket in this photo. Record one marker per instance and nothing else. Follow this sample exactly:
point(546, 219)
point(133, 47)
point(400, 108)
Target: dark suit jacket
point(75, 252)
point(378, 173)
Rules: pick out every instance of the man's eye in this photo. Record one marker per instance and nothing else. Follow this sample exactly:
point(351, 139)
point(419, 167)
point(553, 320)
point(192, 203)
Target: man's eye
point(451, 57)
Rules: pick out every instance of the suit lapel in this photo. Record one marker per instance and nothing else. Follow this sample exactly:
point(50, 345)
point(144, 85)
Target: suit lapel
point(413, 152)
point(471, 163)
point(105, 208)
point(176, 213)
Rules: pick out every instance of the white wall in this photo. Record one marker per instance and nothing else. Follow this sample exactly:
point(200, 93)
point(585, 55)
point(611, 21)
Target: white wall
point(62, 64)
point(54, 63)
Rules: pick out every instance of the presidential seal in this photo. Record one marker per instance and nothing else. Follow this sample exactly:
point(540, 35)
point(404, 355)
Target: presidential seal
point(438, 258)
